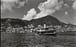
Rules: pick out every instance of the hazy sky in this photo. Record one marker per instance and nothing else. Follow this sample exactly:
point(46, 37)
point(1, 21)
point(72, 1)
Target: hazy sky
point(19, 12)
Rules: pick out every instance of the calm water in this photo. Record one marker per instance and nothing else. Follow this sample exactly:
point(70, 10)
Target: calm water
point(35, 40)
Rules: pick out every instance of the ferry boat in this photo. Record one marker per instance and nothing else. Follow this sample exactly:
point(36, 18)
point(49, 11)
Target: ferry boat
point(46, 30)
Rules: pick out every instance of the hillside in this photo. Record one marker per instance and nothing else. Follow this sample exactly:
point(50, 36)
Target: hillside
point(13, 22)
point(48, 20)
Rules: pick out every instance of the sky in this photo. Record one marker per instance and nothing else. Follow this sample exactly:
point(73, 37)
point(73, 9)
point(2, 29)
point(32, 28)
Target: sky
point(66, 13)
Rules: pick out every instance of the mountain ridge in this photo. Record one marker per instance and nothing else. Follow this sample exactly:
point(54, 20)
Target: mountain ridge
point(49, 20)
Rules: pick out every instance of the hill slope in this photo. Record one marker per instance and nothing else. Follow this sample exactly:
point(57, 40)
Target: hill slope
point(49, 20)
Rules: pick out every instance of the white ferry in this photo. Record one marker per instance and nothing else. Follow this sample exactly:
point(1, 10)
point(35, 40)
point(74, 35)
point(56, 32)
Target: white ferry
point(46, 30)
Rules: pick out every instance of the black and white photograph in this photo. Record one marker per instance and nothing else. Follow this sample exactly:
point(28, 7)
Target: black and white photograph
point(38, 23)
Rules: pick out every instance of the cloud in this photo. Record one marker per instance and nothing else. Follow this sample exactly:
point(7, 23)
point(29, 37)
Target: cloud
point(74, 5)
point(66, 5)
point(10, 4)
point(74, 18)
point(74, 21)
point(66, 12)
point(30, 14)
point(48, 8)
